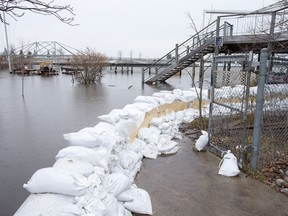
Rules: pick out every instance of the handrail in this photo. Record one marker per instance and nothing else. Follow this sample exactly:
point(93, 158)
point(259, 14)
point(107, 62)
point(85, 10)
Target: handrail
point(198, 37)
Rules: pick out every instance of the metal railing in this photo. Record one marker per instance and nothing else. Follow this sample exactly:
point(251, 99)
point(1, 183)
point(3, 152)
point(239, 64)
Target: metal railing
point(194, 42)
point(182, 49)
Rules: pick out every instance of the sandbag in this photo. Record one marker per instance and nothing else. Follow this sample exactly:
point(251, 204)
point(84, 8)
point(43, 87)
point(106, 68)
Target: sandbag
point(132, 173)
point(45, 204)
point(98, 157)
point(202, 141)
point(228, 165)
point(128, 159)
point(111, 205)
point(126, 128)
point(110, 118)
point(172, 151)
point(126, 196)
point(85, 138)
point(147, 99)
point(59, 181)
point(135, 114)
point(157, 121)
point(168, 97)
point(150, 151)
point(116, 183)
point(141, 202)
point(103, 128)
point(75, 165)
point(149, 135)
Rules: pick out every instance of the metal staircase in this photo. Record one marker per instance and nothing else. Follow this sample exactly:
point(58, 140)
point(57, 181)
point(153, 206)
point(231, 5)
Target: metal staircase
point(183, 55)
point(237, 34)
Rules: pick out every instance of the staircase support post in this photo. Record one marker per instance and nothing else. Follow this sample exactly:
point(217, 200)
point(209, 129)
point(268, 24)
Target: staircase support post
point(176, 54)
point(142, 75)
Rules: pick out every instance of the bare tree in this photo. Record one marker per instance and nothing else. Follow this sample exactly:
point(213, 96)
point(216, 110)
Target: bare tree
point(18, 8)
point(88, 66)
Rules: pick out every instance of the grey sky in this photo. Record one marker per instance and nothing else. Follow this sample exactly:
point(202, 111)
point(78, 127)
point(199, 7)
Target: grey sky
point(148, 28)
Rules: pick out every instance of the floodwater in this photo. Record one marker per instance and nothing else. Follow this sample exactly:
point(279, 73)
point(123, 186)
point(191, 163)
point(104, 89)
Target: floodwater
point(32, 127)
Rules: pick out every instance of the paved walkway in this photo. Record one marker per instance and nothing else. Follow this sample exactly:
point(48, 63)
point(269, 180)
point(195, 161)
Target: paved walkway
point(188, 183)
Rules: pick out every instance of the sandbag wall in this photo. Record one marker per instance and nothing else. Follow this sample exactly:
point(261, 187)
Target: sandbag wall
point(95, 174)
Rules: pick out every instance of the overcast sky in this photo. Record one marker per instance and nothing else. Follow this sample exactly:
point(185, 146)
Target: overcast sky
point(146, 28)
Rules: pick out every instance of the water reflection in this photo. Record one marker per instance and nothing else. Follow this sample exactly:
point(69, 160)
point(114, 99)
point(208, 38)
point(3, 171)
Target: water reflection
point(31, 128)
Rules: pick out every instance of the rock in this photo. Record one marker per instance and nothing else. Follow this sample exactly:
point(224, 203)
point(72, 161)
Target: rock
point(280, 182)
point(287, 173)
point(284, 191)
point(282, 173)
point(286, 179)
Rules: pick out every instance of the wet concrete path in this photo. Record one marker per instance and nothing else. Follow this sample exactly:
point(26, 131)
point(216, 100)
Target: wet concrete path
point(188, 183)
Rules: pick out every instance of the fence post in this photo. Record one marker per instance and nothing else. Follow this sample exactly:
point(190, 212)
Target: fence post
point(258, 122)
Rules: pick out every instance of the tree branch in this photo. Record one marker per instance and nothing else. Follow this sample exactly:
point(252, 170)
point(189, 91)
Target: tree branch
point(18, 8)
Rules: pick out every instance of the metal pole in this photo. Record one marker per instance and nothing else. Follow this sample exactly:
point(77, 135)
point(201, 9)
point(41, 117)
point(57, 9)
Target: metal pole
point(258, 122)
point(7, 43)
point(176, 54)
point(142, 75)
point(211, 97)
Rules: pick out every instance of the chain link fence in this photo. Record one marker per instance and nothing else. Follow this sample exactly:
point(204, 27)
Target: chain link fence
point(235, 106)
point(274, 134)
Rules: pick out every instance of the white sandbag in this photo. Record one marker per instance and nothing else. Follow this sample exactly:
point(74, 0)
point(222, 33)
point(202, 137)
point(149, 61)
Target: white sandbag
point(91, 136)
point(125, 196)
point(116, 183)
point(104, 128)
point(110, 118)
point(97, 156)
point(111, 205)
point(179, 116)
point(85, 138)
point(132, 173)
point(137, 145)
point(114, 116)
point(71, 210)
point(141, 202)
point(44, 204)
point(168, 97)
point(202, 141)
point(142, 106)
point(157, 121)
point(150, 151)
point(126, 128)
point(172, 151)
point(94, 206)
point(147, 99)
point(228, 165)
point(177, 92)
point(135, 114)
point(75, 165)
point(128, 159)
point(123, 114)
point(114, 165)
point(149, 135)
point(166, 130)
point(189, 96)
point(164, 126)
point(189, 115)
point(171, 116)
point(54, 180)
point(167, 146)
